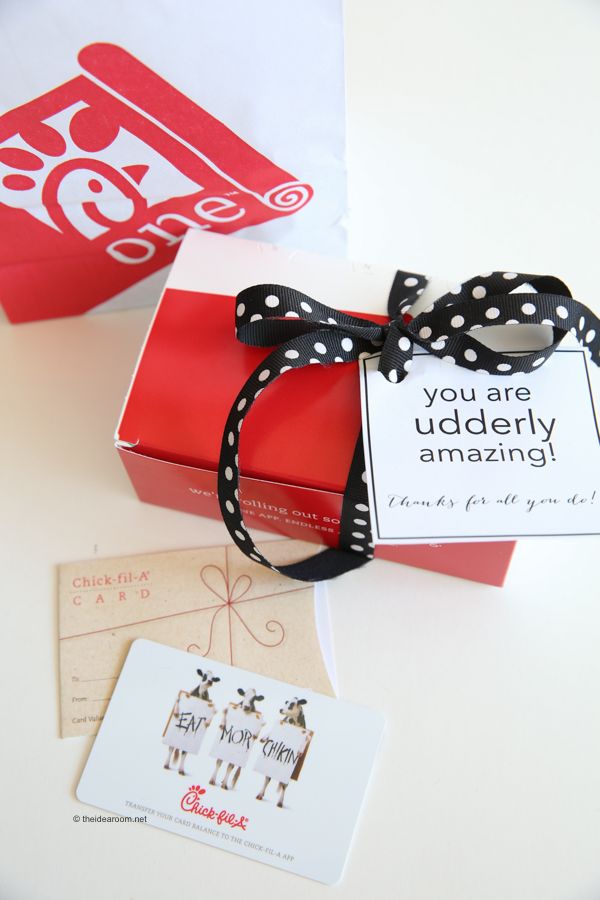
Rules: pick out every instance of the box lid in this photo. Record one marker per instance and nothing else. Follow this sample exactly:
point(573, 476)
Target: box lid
point(303, 429)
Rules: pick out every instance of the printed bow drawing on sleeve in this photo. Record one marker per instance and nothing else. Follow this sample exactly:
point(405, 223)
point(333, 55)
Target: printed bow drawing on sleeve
point(230, 596)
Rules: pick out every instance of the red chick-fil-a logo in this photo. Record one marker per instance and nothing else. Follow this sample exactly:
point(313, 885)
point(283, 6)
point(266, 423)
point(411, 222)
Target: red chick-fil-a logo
point(191, 803)
point(101, 177)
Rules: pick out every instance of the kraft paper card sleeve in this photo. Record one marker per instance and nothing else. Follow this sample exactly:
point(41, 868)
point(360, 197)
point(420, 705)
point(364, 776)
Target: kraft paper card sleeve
point(211, 601)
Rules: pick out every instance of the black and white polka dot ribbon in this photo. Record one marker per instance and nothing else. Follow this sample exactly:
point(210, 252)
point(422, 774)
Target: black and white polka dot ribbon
point(308, 332)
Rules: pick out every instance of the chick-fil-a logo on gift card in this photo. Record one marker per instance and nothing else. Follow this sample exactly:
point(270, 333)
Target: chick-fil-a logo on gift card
point(191, 802)
point(101, 177)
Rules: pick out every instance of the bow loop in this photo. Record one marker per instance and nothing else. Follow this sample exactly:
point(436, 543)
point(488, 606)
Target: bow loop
point(217, 582)
point(445, 327)
point(269, 314)
point(490, 284)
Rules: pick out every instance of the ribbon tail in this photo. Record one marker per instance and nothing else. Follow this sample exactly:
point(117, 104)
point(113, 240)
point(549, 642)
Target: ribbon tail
point(330, 562)
point(205, 652)
point(275, 626)
point(355, 542)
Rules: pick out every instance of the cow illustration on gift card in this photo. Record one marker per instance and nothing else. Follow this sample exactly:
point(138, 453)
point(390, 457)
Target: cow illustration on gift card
point(240, 726)
point(101, 177)
point(284, 749)
point(190, 717)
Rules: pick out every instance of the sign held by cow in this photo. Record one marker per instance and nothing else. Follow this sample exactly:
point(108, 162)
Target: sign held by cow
point(187, 724)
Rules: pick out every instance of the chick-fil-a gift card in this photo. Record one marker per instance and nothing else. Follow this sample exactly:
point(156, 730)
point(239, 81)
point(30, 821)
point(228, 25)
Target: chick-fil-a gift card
point(233, 759)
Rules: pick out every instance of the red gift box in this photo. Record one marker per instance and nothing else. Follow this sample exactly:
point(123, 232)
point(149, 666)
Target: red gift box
point(298, 440)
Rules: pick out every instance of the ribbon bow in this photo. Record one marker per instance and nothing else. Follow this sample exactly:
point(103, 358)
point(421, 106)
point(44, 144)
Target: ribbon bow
point(229, 596)
point(309, 332)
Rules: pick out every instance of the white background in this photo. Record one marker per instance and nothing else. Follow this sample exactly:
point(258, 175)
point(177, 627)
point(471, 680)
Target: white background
point(474, 143)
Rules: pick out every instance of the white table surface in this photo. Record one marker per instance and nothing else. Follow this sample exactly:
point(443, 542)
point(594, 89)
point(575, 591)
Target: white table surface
point(474, 141)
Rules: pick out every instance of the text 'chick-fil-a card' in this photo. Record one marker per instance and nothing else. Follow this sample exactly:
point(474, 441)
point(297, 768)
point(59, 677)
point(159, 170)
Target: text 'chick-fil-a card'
point(237, 760)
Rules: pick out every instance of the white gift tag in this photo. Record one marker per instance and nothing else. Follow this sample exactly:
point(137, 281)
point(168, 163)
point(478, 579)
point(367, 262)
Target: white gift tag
point(454, 455)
